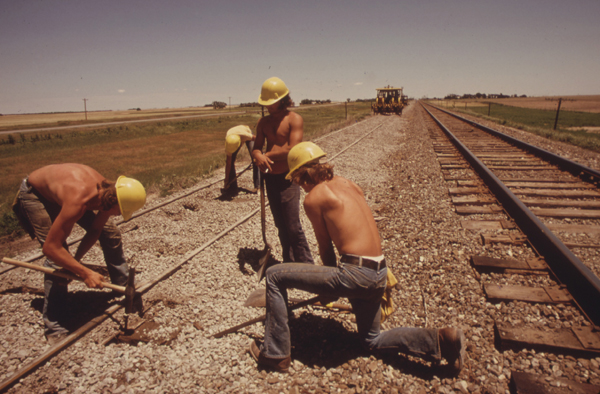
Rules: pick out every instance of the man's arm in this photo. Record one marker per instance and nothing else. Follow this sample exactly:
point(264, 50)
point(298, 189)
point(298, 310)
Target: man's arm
point(261, 160)
point(57, 236)
point(92, 235)
point(312, 206)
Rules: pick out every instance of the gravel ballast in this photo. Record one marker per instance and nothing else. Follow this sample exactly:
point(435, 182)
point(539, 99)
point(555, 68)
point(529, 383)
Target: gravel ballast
point(422, 238)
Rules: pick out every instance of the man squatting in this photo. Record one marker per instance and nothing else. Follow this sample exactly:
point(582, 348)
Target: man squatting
point(340, 216)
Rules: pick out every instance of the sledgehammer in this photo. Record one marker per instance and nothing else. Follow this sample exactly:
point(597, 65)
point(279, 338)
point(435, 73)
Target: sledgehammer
point(129, 290)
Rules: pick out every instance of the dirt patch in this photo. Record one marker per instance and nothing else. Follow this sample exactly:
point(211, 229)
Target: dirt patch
point(11, 246)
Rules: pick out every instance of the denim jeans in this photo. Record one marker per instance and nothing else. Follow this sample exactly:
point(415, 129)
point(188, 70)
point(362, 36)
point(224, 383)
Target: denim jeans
point(284, 200)
point(40, 213)
point(362, 286)
point(232, 172)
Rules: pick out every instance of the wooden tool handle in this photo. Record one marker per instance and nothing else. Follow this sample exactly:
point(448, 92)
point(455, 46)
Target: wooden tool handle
point(263, 317)
point(62, 274)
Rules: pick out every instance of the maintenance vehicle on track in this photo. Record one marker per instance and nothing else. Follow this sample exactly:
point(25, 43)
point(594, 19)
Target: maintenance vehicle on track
point(389, 100)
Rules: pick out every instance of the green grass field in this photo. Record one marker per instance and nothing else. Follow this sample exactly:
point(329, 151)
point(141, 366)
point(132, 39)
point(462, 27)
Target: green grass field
point(570, 128)
point(165, 156)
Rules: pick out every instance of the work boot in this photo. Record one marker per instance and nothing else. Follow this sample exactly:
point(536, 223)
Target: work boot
point(277, 364)
point(452, 347)
point(56, 337)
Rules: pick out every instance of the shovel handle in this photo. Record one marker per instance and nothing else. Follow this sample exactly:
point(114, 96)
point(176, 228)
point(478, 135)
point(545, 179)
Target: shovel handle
point(55, 272)
point(264, 317)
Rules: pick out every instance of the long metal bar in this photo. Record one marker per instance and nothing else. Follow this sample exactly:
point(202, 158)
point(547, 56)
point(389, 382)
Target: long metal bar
point(579, 279)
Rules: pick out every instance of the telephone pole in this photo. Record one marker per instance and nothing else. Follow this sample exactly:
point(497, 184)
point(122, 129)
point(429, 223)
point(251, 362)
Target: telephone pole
point(85, 107)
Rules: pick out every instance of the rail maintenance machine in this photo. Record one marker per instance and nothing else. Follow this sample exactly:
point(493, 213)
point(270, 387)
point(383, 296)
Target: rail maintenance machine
point(389, 100)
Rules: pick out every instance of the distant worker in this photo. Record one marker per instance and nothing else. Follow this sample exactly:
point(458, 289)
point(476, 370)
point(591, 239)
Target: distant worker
point(281, 129)
point(341, 217)
point(233, 142)
point(49, 203)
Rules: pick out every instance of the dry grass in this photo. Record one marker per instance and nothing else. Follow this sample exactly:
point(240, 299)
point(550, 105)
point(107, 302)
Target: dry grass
point(163, 155)
point(68, 118)
point(569, 103)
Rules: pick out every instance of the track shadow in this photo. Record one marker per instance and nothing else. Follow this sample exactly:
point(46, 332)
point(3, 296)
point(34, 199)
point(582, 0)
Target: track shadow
point(228, 195)
point(80, 307)
point(321, 342)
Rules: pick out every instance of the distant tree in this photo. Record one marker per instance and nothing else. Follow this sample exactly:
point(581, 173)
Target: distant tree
point(219, 104)
point(306, 102)
point(348, 100)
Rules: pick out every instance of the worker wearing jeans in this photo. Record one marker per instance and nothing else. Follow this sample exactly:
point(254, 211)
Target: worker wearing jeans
point(284, 201)
point(37, 214)
point(342, 220)
point(362, 286)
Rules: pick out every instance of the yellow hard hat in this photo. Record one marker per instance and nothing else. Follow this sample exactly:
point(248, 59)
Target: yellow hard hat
point(131, 196)
point(303, 153)
point(232, 143)
point(273, 90)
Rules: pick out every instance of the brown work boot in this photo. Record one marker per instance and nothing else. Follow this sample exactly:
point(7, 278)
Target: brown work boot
point(453, 346)
point(277, 364)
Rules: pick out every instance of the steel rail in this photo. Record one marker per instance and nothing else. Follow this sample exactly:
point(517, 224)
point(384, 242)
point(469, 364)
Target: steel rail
point(577, 169)
point(581, 282)
point(140, 289)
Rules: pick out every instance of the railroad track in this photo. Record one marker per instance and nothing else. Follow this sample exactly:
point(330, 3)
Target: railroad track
point(146, 284)
point(543, 205)
point(422, 237)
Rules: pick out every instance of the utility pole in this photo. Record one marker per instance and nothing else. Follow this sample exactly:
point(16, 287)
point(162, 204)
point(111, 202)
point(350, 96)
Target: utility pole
point(229, 102)
point(85, 107)
point(557, 111)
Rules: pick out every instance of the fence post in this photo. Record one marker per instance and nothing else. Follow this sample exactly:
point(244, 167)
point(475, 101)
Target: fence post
point(489, 107)
point(346, 105)
point(557, 111)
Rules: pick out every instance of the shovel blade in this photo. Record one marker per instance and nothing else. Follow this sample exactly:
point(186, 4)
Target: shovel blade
point(258, 298)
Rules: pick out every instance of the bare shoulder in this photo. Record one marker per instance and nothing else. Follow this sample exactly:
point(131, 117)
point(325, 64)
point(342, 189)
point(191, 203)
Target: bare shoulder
point(294, 118)
point(322, 195)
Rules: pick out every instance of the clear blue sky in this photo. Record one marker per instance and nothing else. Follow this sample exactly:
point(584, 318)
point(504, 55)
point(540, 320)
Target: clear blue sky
point(179, 53)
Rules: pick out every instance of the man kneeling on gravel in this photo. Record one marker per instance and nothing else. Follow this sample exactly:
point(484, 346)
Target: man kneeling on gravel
point(49, 203)
point(340, 216)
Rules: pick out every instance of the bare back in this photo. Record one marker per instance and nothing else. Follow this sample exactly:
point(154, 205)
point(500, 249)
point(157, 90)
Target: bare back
point(67, 184)
point(339, 211)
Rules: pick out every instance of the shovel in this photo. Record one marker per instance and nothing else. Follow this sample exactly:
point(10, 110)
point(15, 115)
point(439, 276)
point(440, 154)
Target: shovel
point(263, 318)
point(266, 253)
point(258, 299)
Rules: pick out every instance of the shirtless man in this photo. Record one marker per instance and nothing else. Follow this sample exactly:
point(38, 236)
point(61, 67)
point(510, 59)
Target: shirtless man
point(281, 129)
point(49, 203)
point(340, 216)
point(233, 142)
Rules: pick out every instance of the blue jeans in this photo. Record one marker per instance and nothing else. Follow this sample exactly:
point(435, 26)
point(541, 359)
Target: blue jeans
point(284, 201)
point(232, 172)
point(40, 213)
point(362, 286)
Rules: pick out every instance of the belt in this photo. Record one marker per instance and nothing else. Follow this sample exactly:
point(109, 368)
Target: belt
point(362, 262)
